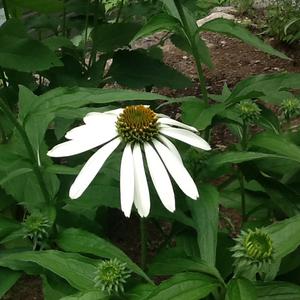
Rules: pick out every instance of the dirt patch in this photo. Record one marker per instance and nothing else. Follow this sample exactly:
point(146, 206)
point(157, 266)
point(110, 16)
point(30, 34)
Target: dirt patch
point(27, 288)
point(233, 61)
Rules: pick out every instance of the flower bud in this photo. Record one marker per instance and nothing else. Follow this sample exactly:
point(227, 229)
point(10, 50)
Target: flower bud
point(290, 107)
point(253, 250)
point(111, 275)
point(36, 228)
point(249, 111)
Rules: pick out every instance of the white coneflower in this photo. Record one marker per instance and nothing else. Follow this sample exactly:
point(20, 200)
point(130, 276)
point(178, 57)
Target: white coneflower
point(144, 133)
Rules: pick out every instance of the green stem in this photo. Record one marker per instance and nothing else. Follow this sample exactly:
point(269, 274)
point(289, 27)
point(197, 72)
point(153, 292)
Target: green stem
point(195, 52)
point(33, 158)
point(244, 140)
point(86, 29)
point(64, 27)
point(143, 243)
point(120, 11)
point(244, 144)
point(243, 196)
point(94, 51)
point(5, 7)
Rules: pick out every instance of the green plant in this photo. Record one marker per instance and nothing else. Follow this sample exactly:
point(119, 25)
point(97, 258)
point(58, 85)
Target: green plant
point(57, 71)
point(243, 6)
point(283, 20)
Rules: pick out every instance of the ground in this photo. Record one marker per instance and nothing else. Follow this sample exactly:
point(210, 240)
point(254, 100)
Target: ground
point(233, 61)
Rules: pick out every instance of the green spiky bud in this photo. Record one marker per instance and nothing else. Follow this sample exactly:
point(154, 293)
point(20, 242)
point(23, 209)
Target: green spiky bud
point(111, 275)
point(248, 111)
point(36, 227)
point(290, 107)
point(253, 250)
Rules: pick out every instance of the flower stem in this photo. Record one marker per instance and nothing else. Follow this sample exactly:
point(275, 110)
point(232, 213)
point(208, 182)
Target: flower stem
point(33, 158)
point(86, 25)
point(244, 144)
point(244, 140)
point(94, 51)
point(64, 21)
point(120, 11)
point(6, 12)
point(243, 196)
point(143, 234)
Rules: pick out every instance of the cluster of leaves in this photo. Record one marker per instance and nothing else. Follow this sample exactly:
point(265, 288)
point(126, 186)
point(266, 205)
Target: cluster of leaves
point(55, 58)
point(283, 20)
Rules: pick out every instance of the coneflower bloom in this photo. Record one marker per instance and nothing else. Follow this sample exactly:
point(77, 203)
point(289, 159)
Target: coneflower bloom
point(144, 134)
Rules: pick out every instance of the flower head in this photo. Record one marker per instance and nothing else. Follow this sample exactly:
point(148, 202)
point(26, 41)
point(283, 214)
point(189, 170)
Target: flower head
point(290, 107)
point(144, 134)
point(249, 111)
point(253, 249)
point(36, 227)
point(111, 276)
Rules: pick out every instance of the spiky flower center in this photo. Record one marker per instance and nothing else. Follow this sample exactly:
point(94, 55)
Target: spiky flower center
point(111, 275)
point(249, 111)
point(258, 245)
point(137, 123)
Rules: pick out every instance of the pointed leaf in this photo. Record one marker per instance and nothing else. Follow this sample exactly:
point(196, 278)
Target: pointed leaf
point(77, 240)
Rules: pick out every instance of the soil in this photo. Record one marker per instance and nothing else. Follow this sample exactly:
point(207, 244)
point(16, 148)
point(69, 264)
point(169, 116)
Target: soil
point(233, 62)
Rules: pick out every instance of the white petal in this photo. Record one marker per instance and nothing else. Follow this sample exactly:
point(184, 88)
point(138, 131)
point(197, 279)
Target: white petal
point(177, 170)
point(73, 147)
point(170, 121)
point(91, 168)
point(89, 132)
point(160, 178)
point(171, 146)
point(127, 181)
point(100, 119)
point(116, 111)
point(186, 137)
point(141, 191)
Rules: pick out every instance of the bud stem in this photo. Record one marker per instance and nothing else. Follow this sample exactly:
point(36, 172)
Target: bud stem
point(143, 243)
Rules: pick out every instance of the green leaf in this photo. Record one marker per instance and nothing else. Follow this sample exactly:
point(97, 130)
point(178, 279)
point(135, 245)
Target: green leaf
point(54, 287)
point(266, 87)
point(77, 270)
point(7, 279)
point(172, 261)
point(90, 295)
point(192, 286)
point(277, 144)
point(109, 37)
point(240, 289)
point(277, 290)
point(77, 240)
point(23, 53)
point(285, 236)
point(190, 30)
point(233, 29)
point(140, 292)
point(48, 105)
point(42, 6)
point(136, 69)
point(7, 226)
point(205, 212)
point(158, 23)
point(236, 158)
point(195, 113)
point(56, 42)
